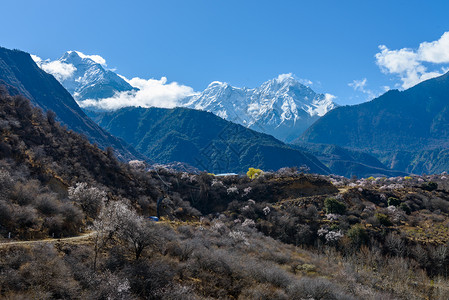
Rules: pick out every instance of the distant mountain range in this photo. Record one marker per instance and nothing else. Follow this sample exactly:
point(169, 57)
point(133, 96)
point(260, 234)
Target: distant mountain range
point(408, 130)
point(282, 107)
point(20, 74)
point(202, 140)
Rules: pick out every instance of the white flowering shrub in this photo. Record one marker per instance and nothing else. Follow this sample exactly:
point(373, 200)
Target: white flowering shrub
point(137, 164)
point(189, 177)
point(333, 236)
point(395, 214)
point(266, 210)
point(246, 191)
point(91, 199)
point(232, 190)
point(249, 223)
point(330, 236)
point(239, 237)
point(332, 217)
point(217, 183)
point(219, 227)
point(322, 231)
point(392, 186)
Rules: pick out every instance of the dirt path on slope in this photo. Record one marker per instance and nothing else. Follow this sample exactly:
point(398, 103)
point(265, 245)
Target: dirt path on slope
point(49, 240)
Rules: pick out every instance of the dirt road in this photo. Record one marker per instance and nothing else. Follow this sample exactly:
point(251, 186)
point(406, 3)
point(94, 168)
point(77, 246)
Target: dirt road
point(69, 239)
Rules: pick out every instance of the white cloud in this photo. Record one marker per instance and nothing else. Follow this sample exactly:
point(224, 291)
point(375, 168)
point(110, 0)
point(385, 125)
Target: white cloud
point(305, 81)
point(285, 76)
point(96, 58)
point(60, 70)
point(411, 65)
point(282, 77)
point(36, 59)
point(329, 97)
point(152, 92)
point(360, 86)
point(435, 52)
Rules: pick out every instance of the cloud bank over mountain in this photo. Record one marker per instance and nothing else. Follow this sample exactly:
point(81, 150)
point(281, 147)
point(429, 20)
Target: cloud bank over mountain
point(75, 69)
point(58, 69)
point(150, 93)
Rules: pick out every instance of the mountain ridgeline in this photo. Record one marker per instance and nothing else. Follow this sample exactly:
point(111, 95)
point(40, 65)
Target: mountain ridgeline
point(408, 130)
point(282, 107)
point(20, 74)
point(202, 140)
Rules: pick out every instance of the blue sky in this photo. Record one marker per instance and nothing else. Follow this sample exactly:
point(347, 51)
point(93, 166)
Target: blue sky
point(331, 43)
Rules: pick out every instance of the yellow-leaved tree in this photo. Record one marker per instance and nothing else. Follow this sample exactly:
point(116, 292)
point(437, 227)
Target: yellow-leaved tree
point(253, 173)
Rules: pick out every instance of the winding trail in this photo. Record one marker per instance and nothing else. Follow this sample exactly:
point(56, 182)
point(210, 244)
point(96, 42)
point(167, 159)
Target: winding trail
point(68, 239)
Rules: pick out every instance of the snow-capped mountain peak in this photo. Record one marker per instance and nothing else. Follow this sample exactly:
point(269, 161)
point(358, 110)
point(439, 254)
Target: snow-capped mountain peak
point(91, 79)
point(79, 57)
point(282, 106)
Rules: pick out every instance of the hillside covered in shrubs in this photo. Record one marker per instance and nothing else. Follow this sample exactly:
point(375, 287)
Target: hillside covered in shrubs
point(75, 223)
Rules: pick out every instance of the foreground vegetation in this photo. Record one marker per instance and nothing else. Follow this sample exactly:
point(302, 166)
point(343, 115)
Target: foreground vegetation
point(281, 235)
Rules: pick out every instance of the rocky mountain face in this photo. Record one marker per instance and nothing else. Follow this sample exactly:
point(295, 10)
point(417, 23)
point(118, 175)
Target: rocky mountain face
point(20, 74)
point(407, 130)
point(282, 107)
point(90, 80)
point(202, 140)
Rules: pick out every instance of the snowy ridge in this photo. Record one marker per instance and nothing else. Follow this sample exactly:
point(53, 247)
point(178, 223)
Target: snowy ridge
point(282, 106)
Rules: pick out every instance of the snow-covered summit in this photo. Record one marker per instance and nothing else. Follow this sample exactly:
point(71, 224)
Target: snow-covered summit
point(91, 79)
point(283, 106)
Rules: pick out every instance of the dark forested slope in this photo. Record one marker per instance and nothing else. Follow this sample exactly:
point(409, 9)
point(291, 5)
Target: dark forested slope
point(201, 139)
point(20, 74)
point(398, 127)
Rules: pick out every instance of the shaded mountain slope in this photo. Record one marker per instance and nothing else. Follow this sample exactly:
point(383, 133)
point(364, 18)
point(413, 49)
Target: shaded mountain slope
point(413, 120)
point(54, 155)
point(18, 70)
point(347, 162)
point(201, 139)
